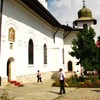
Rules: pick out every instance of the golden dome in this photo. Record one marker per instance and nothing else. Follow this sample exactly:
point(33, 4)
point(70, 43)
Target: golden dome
point(85, 12)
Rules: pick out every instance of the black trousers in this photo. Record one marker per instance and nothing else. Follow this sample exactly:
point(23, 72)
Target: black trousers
point(39, 79)
point(62, 88)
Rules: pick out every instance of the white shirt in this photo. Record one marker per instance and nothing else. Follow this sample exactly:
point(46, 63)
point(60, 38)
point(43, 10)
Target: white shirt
point(61, 75)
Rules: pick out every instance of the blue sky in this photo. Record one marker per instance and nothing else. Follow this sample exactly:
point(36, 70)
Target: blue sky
point(65, 11)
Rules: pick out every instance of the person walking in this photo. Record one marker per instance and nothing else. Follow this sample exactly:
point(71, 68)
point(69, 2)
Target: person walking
point(62, 81)
point(39, 77)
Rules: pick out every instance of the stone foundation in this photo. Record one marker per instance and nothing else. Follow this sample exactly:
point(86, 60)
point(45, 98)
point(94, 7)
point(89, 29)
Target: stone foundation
point(31, 78)
point(4, 81)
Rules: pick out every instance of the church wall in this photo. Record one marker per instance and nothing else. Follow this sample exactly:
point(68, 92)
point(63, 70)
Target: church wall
point(27, 26)
point(57, 51)
point(67, 48)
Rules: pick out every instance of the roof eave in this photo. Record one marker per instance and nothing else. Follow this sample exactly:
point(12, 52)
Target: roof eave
point(36, 6)
point(94, 21)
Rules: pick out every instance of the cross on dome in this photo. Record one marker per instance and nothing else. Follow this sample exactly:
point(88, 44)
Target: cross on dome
point(83, 3)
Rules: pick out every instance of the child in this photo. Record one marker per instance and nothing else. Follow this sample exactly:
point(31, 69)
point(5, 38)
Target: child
point(39, 77)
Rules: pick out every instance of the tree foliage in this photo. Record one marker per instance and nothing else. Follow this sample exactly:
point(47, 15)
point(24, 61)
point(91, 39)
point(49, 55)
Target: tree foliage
point(84, 48)
point(97, 57)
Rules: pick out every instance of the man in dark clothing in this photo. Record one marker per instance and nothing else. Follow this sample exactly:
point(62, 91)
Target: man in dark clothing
point(62, 81)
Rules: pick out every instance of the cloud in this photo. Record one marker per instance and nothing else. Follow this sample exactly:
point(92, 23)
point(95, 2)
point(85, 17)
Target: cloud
point(66, 10)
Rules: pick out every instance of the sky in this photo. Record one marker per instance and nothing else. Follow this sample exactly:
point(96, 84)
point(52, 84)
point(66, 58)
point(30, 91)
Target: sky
point(65, 11)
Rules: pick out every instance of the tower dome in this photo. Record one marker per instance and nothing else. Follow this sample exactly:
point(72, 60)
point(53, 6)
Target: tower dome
point(85, 12)
point(84, 17)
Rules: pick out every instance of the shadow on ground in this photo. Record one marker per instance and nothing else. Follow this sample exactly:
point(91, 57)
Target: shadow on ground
point(96, 90)
point(54, 92)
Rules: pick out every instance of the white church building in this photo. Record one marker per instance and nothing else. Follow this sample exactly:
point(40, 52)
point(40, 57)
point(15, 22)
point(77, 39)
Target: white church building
point(32, 39)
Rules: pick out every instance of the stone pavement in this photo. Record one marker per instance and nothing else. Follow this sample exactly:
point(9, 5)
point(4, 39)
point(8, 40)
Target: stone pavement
point(45, 91)
point(82, 94)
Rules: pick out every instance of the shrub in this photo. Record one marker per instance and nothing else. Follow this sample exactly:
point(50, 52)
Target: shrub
point(89, 83)
point(97, 84)
point(82, 84)
point(56, 83)
point(86, 82)
point(55, 76)
point(93, 78)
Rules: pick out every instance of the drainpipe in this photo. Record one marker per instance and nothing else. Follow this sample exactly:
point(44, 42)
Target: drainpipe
point(1, 7)
point(55, 34)
point(66, 34)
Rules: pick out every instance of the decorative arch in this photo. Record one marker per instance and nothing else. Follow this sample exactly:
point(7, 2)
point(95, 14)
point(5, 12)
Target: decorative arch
point(32, 35)
point(12, 26)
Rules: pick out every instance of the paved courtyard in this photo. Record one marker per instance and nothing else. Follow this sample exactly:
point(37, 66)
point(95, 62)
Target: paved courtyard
point(45, 91)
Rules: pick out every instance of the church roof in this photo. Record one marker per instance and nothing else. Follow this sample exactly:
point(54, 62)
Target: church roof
point(82, 19)
point(36, 6)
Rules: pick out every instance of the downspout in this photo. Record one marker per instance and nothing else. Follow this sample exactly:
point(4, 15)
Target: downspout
point(55, 34)
point(1, 8)
point(66, 34)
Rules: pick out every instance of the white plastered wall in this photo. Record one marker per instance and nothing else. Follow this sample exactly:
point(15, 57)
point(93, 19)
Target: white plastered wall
point(27, 26)
point(67, 48)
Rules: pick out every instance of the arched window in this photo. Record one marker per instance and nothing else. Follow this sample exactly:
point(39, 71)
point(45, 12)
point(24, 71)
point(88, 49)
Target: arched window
point(69, 66)
point(85, 25)
point(31, 52)
point(45, 53)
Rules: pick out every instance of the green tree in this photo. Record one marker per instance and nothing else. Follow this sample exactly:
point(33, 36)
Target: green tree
point(84, 48)
point(96, 61)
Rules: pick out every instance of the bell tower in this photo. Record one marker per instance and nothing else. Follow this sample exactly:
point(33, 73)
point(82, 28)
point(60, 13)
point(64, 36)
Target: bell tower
point(84, 17)
point(44, 3)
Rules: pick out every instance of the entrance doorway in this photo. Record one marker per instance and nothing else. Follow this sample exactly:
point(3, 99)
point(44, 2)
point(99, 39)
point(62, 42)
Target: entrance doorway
point(11, 72)
point(70, 66)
